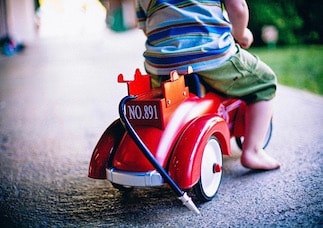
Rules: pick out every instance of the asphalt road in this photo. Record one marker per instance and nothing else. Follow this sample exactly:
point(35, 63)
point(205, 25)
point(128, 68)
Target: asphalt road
point(57, 98)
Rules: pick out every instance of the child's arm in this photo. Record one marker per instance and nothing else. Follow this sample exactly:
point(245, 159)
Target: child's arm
point(238, 13)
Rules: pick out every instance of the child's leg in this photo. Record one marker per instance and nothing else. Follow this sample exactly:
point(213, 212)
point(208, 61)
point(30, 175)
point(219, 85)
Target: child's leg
point(258, 116)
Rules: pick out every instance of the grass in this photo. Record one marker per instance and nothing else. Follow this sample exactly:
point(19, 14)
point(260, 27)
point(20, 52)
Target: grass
point(296, 66)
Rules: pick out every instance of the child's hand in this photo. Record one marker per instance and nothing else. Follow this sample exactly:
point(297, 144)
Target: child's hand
point(246, 40)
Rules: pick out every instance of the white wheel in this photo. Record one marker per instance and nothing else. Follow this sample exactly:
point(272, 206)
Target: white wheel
point(211, 171)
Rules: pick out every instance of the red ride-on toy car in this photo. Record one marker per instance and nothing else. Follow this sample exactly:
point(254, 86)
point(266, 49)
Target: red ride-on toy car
point(169, 135)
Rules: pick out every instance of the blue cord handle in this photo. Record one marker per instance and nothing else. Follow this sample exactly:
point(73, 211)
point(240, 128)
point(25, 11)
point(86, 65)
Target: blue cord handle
point(125, 122)
point(186, 200)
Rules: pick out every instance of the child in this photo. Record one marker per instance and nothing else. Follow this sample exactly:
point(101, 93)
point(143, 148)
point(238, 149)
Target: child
point(182, 33)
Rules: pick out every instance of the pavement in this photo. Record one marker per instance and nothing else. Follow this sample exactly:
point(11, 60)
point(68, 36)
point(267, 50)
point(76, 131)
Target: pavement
point(58, 96)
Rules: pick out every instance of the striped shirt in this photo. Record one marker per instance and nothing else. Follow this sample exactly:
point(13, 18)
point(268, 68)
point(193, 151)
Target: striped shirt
point(184, 33)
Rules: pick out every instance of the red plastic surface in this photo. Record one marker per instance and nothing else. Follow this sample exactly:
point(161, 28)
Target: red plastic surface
point(130, 158)
point(109, 140)
point(140, 85)
point(185, 164)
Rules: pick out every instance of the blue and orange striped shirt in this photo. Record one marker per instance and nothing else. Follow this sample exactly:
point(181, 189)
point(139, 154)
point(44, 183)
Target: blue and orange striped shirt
point(184, 33)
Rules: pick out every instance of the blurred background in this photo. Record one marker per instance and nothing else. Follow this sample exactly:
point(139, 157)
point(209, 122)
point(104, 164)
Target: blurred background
point(59, 61)
point(288, 34)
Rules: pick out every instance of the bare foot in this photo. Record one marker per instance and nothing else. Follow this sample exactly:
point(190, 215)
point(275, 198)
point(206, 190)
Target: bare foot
point(259, 160)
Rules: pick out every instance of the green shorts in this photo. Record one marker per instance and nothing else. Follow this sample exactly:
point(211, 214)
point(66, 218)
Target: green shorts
point(243, 76)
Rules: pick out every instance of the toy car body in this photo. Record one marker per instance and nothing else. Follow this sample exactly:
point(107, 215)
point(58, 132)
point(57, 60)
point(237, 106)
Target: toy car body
point(185, 131)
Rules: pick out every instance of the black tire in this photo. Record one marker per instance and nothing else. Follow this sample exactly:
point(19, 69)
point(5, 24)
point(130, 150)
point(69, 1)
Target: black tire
point(239, 140)
point(122, 188)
